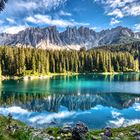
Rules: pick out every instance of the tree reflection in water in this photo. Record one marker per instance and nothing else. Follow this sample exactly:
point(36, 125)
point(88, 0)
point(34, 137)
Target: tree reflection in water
point(43, 102)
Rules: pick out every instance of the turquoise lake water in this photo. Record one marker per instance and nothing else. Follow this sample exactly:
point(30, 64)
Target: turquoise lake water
point(96, 100)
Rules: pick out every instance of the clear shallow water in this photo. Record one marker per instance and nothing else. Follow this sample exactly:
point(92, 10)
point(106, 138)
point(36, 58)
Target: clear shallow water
point(96, 100)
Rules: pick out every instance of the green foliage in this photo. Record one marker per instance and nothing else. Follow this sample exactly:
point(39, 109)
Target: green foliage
point(27, 61)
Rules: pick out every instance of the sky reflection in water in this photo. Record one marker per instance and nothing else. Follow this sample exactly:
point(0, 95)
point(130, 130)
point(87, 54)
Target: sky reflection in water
point(96, 100)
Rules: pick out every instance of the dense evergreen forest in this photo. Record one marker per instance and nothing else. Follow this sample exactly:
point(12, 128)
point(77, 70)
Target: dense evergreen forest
point(22, 61)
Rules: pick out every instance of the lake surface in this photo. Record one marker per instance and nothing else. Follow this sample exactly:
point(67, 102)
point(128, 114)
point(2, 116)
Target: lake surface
point(96, 100)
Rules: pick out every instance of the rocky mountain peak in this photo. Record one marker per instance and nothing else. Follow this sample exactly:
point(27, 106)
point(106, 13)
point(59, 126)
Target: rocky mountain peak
point(72, 37)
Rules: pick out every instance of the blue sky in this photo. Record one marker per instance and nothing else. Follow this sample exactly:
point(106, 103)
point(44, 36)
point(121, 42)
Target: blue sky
point(96, 14)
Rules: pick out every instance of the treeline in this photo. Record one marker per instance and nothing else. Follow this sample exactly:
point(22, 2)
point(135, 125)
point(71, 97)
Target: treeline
point(133, 48)
point(20, 61)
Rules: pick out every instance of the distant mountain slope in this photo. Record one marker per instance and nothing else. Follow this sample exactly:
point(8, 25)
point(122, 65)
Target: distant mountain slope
point(71, 38)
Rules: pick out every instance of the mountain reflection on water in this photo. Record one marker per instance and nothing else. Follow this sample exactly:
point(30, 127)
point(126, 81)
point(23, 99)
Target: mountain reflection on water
point(52, 103)
point(96, 100)
point(97, 111)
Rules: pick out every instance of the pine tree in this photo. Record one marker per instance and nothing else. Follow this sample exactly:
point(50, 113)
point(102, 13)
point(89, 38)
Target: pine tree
point(33, 65)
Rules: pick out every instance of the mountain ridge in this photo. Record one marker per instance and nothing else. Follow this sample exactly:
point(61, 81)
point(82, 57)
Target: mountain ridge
point(71, 38)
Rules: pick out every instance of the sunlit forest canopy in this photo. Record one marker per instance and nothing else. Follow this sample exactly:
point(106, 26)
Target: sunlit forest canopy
point(23, 61)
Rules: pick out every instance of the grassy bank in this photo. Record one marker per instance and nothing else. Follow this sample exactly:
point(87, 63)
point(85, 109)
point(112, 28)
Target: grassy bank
point(15, 130)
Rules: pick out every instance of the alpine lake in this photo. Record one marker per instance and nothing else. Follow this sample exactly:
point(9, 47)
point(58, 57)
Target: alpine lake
point(95, 99)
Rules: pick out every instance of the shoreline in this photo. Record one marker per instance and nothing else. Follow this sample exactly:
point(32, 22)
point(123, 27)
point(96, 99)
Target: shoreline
point(33, 77)
point(11, 129)
point(50, 75)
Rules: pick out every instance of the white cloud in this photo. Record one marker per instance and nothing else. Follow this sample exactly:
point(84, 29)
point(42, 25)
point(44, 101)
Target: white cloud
point(115, 114)
point(121, 8)
point(117, 13)
point(131, 122)
point(31, 19)
point(136, 106)
point(48, 118)
point(26, 5)
point(119, 3)
point(52, 3)
point(114, 3)
point(10, 20)
point(133, 10)
point(45, 19)
point(137, 27)
point(122, 122)
point(34, 118)
point(34, 11)
point(13, 110)
point(114, 21)
point(98, 107)
point(117, 123)
point(34, 4)
point(12, 29)
point(62, 13)
point(1, 22)
point(93, 28)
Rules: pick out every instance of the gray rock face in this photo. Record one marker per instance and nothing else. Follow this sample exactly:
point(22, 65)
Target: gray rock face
point(82, 36)
point(137, 35)
point(31, 36)
point(71, 38)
